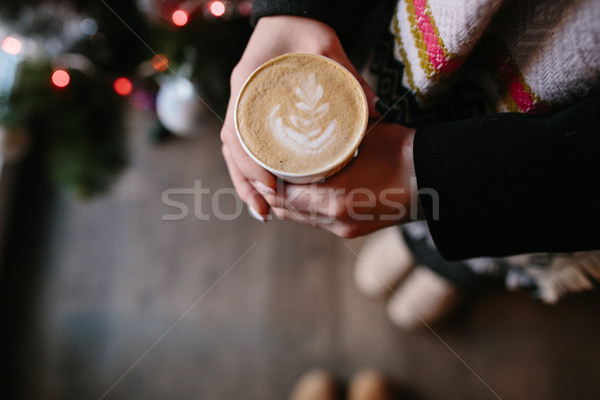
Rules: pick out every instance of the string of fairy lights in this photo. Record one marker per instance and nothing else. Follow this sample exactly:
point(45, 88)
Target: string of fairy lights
point(180, 17)
point(65, 71)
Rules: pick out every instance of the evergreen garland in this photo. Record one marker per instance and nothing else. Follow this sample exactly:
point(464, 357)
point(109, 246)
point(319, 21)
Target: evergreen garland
point(79, 127)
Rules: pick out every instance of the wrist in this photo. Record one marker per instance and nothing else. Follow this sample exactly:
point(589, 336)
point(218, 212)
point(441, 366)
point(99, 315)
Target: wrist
point(297, 34)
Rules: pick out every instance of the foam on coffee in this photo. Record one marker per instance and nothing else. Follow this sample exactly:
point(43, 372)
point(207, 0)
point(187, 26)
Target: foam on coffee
point(301, 113)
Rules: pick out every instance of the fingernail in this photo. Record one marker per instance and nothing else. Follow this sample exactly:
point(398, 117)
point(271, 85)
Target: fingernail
point(256, 215)
point(387, 112)
point(261, 187)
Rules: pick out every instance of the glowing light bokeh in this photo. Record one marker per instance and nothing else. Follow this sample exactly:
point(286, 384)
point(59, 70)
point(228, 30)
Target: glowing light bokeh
point(61, 78)
point(180, 17)
point(11, 45)
point(217, 8)
point(160, 62)
point(123, 86)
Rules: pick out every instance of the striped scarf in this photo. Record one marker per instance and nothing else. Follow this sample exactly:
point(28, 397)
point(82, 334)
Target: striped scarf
point(538, 56)
point(527, 56)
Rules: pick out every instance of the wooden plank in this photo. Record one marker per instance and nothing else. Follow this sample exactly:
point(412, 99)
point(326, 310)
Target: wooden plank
point(117, 277)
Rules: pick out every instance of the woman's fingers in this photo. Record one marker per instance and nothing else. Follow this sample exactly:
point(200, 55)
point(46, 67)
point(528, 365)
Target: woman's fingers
point(244, 188)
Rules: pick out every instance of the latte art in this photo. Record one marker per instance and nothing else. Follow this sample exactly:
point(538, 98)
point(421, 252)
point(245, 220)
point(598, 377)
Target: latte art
point(301, 115)
point(305, 135)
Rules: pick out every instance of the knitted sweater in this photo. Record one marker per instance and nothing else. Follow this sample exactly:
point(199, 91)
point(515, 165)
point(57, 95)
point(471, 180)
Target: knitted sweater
point(541, 56)
point(506, 182)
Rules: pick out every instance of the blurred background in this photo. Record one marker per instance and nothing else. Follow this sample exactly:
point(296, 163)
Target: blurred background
point(104, 106)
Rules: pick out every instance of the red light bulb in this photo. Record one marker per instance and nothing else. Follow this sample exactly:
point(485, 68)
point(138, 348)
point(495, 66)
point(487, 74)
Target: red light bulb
point(217, 8)
point(11, 45)
point(160, 62)
point(123, 86)
point(61, 78)
point(180, 17)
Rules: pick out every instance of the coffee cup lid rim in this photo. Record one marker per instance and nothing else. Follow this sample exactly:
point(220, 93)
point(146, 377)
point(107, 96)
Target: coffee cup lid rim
point(323, 170)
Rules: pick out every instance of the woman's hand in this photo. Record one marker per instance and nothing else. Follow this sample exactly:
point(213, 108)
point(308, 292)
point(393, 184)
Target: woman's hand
point(376, 190)
point(274, 36)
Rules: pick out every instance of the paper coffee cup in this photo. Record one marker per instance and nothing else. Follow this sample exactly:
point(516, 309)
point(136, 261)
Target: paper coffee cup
point(301, 116)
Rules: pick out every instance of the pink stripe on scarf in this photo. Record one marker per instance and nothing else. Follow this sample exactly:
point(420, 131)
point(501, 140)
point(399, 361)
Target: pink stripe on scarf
point(517, 90)
point(437, 58)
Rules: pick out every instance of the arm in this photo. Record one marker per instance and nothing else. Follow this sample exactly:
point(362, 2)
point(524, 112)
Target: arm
point(503, 181)
point(513, 183)
point(502, 184)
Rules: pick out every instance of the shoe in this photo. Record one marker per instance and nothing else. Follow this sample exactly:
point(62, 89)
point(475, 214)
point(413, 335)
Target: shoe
point(369, 385)
point(423, 298)
point(382, 262)
point(315, 385)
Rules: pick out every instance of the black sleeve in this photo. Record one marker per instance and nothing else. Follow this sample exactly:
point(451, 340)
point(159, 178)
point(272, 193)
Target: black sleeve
point(344, 16)
point(321, 10)
point(512, 183)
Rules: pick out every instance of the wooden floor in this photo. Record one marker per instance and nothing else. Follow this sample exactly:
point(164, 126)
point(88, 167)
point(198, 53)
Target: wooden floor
point(128, 306)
